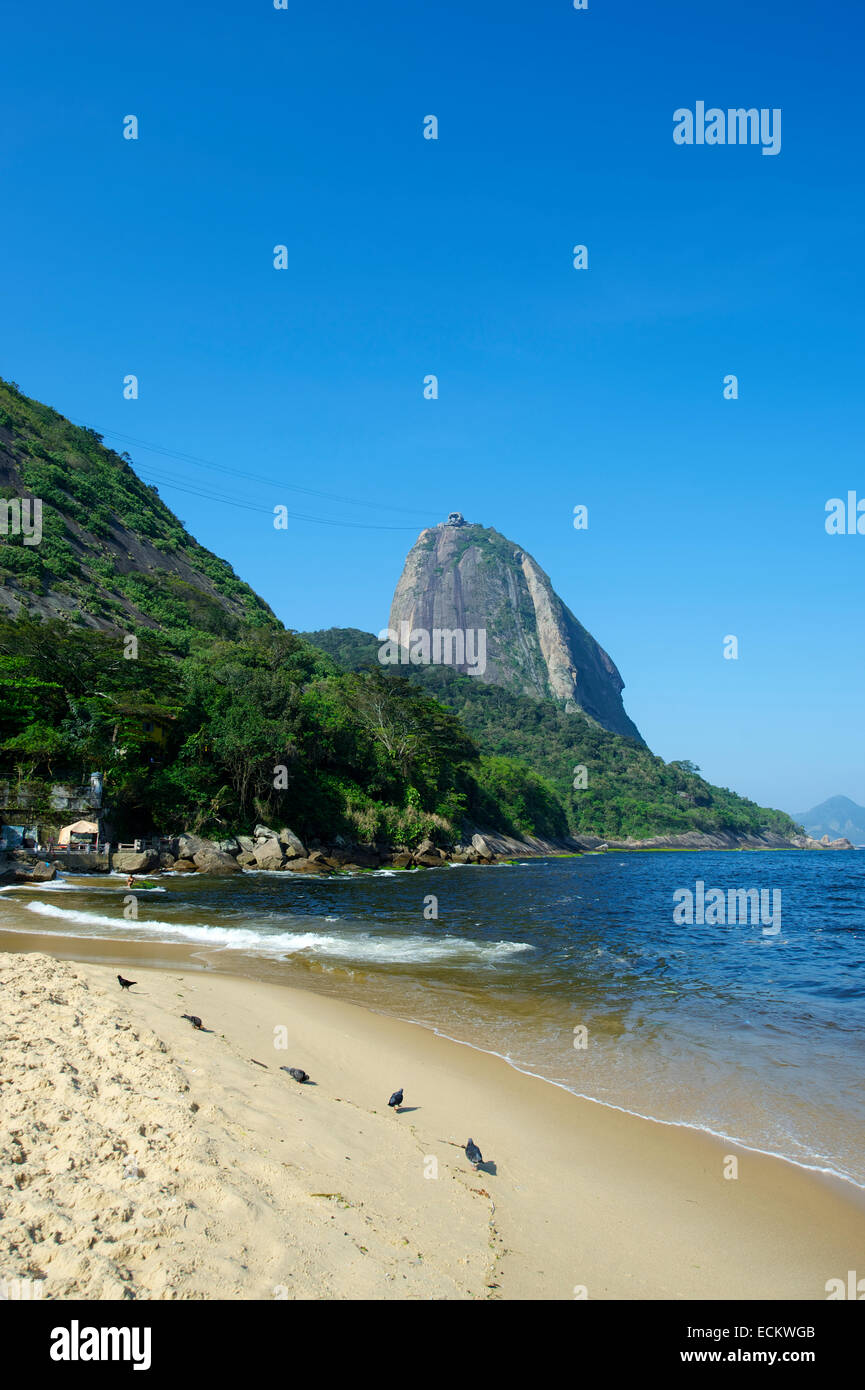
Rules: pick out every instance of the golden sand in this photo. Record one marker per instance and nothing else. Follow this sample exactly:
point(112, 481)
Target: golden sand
point(142, 1158)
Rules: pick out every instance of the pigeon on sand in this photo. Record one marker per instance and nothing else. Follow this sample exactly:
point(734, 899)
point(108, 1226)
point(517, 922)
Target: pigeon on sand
point(473, 1154)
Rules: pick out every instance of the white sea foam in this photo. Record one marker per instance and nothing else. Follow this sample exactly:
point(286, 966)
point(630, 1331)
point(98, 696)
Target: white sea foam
point(361, 947)
point(55, 886)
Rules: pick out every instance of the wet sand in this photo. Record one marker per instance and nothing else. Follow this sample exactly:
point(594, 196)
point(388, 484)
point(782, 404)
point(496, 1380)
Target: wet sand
point(573, 1196)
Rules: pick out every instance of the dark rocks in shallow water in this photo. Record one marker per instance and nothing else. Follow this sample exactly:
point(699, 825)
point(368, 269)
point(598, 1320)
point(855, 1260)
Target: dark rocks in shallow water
point(307, 866)
point(21, 873)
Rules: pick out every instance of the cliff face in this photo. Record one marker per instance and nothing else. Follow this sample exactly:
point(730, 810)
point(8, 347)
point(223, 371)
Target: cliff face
point(472, 579)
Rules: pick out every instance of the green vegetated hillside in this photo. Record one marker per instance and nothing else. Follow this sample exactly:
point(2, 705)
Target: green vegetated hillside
point(629, 790)
point(263, 727)
point(112, 554)
point(221, 717)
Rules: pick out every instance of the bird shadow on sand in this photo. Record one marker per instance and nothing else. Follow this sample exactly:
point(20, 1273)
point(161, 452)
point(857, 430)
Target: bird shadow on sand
point(407, 1109)
point(488, 1166)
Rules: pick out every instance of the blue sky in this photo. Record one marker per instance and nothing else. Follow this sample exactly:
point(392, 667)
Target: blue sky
point(303, 127)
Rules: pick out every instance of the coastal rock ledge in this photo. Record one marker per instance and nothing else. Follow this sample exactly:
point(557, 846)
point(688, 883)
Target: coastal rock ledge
point(282, 851)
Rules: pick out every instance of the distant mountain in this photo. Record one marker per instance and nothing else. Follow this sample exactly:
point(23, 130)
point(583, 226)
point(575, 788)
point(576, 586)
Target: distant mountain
point(112, 555)
point(839, 816)
point(466, 579)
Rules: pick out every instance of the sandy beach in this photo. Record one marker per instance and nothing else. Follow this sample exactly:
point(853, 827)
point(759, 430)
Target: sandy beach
point(142, 1158)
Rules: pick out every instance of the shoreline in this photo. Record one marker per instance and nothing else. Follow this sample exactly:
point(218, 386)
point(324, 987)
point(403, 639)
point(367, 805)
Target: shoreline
point(285, 853)
point(136, 953)
point(583, 1192)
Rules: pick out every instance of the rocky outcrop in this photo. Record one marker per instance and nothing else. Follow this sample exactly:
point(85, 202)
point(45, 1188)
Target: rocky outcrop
point(268, 854)
point(291, 845)
point(808, 842)
point(36, 873)
point(700, 839)
point(463, 580)
point(215, 861)
point(190, 845)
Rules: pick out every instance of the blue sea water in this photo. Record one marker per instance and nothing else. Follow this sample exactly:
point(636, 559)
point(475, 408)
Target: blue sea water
point(754, 1035)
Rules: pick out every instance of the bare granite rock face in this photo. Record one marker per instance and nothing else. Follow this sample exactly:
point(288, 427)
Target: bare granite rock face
point(465, 579)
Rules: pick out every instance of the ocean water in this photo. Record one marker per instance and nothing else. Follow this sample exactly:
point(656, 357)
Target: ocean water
point(753, 1033)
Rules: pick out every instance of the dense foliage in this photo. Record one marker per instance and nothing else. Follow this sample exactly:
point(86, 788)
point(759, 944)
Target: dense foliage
point(629, 791)
point(262, 728)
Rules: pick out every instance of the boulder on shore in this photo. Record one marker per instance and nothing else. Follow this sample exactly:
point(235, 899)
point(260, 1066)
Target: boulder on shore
point(183, 866)
point(215, 861)
point(268, 854)
point(36, 873)
point(317, 865)
point(189, 845)
point(291, 844)
point(481, 848)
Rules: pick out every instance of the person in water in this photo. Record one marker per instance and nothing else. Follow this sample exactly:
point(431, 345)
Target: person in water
point(130, 882)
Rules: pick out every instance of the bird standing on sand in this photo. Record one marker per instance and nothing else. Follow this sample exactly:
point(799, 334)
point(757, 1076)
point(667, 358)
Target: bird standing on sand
point(297, 1072)
point(193, 1019)
point(473, 1154)
point(125, 984)
point(396, 1100)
